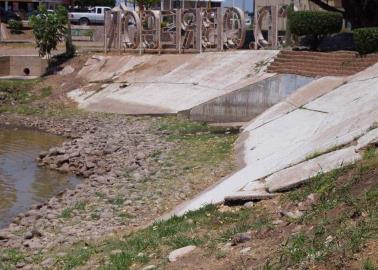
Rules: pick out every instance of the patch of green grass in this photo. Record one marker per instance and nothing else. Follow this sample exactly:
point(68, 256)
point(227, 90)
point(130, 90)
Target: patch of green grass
point(370, 153)
point(303, 247)
point(46, 91)
point(76, 257)
point(100, 194)
point(18, 90)
point(321, 184)
point(117, 201)
point(95, 215)
point(368, 264)
point(13, 256)
point(80, 206)
point(174, 233)
point(335, 195)
point(66, 213)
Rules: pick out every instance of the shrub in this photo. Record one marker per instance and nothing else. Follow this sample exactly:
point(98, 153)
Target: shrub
point(366, 39)
point(318, 24)
point(15, 26)
point(49, 28)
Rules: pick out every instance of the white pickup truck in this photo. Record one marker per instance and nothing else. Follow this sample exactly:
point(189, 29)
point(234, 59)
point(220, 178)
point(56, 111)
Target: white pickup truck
point(93, 15)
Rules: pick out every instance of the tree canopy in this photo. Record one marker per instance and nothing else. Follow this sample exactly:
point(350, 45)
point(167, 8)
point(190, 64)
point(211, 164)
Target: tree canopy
point(360, 13)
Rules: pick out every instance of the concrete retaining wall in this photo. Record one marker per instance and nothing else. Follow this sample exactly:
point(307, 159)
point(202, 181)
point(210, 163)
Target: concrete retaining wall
point(22, 65)
point(248, 102)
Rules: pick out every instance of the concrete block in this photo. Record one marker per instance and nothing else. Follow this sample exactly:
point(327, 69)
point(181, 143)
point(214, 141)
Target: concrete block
point(370, 137)
point(249, 196)
point(296, 175)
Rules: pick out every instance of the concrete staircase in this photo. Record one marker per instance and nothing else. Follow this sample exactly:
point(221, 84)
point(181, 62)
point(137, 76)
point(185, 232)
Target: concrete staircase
point(314, 64)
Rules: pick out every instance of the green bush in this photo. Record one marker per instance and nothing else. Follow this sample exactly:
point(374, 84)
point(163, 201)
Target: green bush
point(315, 23)
point(366, 39)
point(15, 26)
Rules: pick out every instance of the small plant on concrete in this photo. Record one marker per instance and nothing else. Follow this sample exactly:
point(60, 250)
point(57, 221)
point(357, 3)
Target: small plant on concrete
point(49, 28)
point(15, 26)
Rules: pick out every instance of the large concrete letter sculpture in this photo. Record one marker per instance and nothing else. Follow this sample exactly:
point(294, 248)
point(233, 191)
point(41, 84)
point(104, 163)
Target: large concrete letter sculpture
point(194, 29)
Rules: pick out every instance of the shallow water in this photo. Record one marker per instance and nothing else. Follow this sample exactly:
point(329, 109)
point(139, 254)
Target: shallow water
point(22, 182)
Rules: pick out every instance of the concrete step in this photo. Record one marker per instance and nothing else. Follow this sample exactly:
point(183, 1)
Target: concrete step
point(313, 68)
point(320, 63)
point(319, 67)
point(349, 62)
point(313, 73)
point(326, 58)
point(319, 54)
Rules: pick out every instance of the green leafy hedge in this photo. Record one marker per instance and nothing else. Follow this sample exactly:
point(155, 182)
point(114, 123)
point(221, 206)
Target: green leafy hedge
point(15, 26)
point(366, 39)
point(315, 22)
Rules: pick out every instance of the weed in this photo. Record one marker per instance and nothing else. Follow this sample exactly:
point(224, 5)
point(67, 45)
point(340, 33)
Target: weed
point(370, 153)
point(80, 206)
point(323, 152)
point(100, 194)
point(13, 257)
point(368, 265)
point(46, 91)
point(95, 215)
point(117, 201)
point(220, 254)
point(66, 213)
point(76, 257)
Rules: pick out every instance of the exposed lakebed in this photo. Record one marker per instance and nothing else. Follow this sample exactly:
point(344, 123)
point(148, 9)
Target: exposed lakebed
point(22, 182)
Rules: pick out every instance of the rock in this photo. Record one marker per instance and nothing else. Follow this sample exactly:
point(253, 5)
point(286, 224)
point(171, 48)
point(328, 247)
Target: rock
point(61, 159)
point(48, 263)
point(278, 222)
point(32, 244)
point(240, 238)
point(20, 264)
point(292, 214)
point(149, 267)
point(116, 251)
point(43, 154)
point(4, 236)
point(248, 204)
point(313, 198)
point(178, 253)
point(245, 250)
point(66, 70)
point(28, 235)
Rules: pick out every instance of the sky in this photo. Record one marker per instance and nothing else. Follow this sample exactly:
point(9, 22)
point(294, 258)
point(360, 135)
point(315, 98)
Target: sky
point(239, 3)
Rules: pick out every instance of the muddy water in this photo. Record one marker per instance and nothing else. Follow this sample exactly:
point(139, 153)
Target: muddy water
point(22, 182)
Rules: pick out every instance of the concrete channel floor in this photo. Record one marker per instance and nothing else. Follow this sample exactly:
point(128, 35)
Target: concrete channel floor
point(322, 126)
point(164, 84)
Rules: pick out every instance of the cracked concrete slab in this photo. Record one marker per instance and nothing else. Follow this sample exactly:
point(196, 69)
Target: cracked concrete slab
point(296, 175)
point(285, 139)
point(297, 99)
point(171, 83)
point(369, 138)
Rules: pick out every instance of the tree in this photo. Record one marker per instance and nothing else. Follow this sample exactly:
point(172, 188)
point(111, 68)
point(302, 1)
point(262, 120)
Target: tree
point(317, 24)
point(360, 13)
point(49, 28)
point(146, 4)
point(92, 3)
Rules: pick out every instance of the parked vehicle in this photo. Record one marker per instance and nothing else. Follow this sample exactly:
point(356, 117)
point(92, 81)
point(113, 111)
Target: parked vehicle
point(6, 15)
point(95, 15)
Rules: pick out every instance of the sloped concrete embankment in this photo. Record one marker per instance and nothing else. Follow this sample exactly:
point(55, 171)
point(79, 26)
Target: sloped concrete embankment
point(248, 102)
point(322, 126)
point(166, 84)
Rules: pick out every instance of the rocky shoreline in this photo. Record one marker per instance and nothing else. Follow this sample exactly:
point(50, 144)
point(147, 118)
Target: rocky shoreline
point(114, 155)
